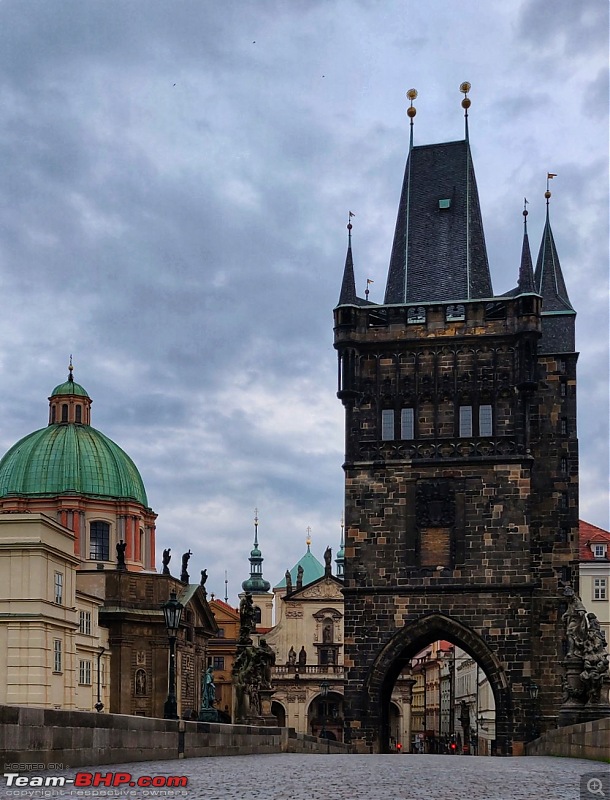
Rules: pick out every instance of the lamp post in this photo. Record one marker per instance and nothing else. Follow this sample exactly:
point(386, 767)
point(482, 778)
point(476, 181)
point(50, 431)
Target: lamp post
point(533, 690)
point(324, 686)
point(172, 611)
point(99, 705)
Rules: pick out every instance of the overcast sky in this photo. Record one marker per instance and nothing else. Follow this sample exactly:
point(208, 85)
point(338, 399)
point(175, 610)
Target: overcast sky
point(175, 183)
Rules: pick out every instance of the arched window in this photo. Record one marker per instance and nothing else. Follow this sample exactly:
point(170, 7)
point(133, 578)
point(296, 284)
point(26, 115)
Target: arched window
point(79, 414)
point(257, 615)
point(99, 541)
point(64, 412)
point(53, 413)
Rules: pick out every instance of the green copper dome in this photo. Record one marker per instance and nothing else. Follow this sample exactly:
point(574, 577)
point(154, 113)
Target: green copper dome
point(69, 387)
point(69, 458)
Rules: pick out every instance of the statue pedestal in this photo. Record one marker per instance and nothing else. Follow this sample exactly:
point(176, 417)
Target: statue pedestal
point(208, 715)
point(575, 709)
point(268, 718)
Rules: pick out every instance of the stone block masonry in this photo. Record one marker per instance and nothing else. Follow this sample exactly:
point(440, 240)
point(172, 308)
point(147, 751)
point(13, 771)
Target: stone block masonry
point(61, 739)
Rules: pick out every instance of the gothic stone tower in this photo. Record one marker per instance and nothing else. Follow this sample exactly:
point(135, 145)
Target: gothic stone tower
point(461, 459)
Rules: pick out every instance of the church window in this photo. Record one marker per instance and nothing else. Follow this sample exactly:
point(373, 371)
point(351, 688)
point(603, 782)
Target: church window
point(99, 541)
point(465, 420)
point(407, 423)
point(257, 615)
point(387, 424)
point(84, 672)
point(218, 662)
point(78, 411)
point(64, 412)
point(58, 588)
point(53, 414)
point(564, 465)
point(563, 389)
point(485, 420)
point(564, 425)
point(57, 655)
point(600, 588)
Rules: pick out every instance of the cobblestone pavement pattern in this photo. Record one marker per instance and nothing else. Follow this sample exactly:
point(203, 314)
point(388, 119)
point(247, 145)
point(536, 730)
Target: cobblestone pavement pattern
point(349, 777)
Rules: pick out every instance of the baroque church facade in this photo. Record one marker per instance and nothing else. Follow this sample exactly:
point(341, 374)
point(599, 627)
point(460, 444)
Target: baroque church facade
point(461, 460)
point(81, 625)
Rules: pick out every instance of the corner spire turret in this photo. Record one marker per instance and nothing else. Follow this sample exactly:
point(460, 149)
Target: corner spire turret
point(526, 269)
point(548, 276)
point(348, 286)
point(340, 559)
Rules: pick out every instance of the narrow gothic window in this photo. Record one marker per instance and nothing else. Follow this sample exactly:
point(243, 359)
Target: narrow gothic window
point(564, 425)
point(485, 421)
point(407, 424)
point(387, 424)
point(563, 389)
point(564, 465)
point(465, 420)
point(99, 541)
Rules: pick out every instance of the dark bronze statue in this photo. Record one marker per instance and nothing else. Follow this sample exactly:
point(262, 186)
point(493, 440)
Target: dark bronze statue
point(120, 555)
point(184, 576)
point(166, 559)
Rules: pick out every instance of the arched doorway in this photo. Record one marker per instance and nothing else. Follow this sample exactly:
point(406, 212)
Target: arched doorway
point(403, 647)
point(325, 716)
point(279, 712)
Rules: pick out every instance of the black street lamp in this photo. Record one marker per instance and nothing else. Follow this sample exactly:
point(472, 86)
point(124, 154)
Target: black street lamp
point(99, 705)
point(172, 611)
point(533, 691)
point(324, 687)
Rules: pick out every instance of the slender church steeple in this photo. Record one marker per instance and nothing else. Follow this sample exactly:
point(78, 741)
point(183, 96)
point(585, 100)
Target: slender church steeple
point(340, 559)
point(256, 583)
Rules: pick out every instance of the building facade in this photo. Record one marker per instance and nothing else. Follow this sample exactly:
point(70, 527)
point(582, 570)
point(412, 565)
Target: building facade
point(461, 462)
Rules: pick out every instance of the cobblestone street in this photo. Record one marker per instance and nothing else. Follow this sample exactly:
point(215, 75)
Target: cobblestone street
point(345, 777)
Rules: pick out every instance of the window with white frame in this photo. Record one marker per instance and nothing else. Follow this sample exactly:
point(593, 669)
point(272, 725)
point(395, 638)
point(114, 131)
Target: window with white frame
point(407, 423)
point(599, 550)
point(465, 420)
point(485, 420)
point(600, 588)
point(58, 588)
point(84, 625)
point(57, 655)
point(84, 672)
point(387, 424)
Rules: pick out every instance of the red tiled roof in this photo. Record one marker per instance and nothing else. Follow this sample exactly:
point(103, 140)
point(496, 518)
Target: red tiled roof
point(222, 604)
point(590, 534)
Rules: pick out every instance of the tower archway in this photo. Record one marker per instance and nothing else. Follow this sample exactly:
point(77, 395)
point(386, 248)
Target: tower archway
point(396, 655)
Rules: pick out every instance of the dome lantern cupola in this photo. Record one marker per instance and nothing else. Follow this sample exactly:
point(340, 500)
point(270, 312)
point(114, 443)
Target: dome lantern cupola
point(69, 402)
point(256, 583)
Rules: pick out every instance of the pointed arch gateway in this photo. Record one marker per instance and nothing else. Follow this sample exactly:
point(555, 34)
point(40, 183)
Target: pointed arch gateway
point(405, 644)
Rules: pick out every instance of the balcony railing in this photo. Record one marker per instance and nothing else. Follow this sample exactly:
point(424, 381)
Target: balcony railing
point(285, 671)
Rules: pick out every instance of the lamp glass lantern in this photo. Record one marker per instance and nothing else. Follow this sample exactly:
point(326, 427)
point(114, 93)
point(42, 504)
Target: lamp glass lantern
point(172, 611)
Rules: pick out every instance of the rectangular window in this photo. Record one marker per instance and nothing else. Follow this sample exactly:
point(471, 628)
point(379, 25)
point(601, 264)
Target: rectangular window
point(485, 421)
point(218, 662)
point(599, 550)
point(600, 588)
point(99, 541)
point(58, 588)
point(564, 425)
point(84, 672)
point(465, 420)
point(57, 665)
point(407, 423)
point(84, 625)
point(387, 424)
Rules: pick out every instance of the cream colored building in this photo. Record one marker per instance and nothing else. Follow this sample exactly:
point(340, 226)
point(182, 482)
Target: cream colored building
point(594, 572)
point(51, 644)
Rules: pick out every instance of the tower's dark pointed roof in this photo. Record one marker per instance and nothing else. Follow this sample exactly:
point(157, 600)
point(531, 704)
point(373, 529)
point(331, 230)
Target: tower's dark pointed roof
point(526, 269)
point(548, 276)
point(348, 287)
point(439, 251)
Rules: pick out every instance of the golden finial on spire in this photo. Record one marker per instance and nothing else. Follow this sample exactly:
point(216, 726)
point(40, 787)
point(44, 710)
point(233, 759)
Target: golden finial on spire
point(308, 539)
point(465, 88)
point(70, 369)
point(411, 111)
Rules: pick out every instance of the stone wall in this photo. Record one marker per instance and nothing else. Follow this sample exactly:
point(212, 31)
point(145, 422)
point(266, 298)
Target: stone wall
point(61, 739)
point(586, 740)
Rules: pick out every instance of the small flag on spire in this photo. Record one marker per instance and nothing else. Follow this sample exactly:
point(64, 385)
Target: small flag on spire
point(551, 174)
point(351, 214)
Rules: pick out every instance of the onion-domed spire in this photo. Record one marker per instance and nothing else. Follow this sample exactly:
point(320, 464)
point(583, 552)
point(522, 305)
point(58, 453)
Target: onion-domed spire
point(256, 584)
